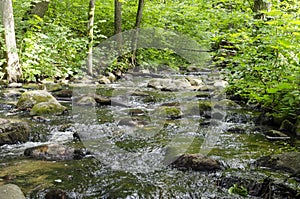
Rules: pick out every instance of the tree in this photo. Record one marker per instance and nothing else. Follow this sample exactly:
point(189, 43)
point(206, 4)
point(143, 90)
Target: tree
point(13, 70)
point(260, 5)
point(91, 36)
point(118, 24)
point(138, 21)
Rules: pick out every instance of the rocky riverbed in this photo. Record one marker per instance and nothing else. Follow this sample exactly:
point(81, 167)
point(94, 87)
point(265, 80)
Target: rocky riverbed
point(143, 136)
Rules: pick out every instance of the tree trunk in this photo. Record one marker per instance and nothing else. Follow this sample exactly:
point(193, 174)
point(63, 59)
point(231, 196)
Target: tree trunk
point(13, 70)
point(260, 5)
point(91, 37)
point(118, 24)
point(137, 26)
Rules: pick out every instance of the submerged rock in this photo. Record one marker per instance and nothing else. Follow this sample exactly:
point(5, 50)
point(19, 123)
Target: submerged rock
point(54, 152)
point(11, 191)
point(196, 162)
point(288, 161)
point(13, 131)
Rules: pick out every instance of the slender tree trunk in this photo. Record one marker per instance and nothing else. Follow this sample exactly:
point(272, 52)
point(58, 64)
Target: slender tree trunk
point(260, 5)
point(137, 26)
point(91, 37)
point(13, 70)
point(118, 25)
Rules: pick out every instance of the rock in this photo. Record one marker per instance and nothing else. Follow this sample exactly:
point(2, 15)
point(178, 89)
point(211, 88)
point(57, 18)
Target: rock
point(139, 93)
point(220, 83)
point(111, 77)
point(56, 194)
point(46, 108)
point(288, 127)
point(136, 112)
point(198, 108)
point(169, 84)
point(30, 98)
point(258, 186)
point(168, 112)
point(206, 88)
point(13, 131)
point(40, 102)
point(196, 162)
point(195, 81)
point(54, 152)
point(276, 135)
point(226, 104)
point(104, 80)
point(11, 191)
point(15, 85)
point(288, 161)
point(86, 101)
point(63, 93)
point(12, 93)
point(102, 100)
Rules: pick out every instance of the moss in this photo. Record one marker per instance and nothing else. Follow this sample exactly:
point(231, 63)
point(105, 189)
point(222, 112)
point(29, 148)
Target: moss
point(45, 108)
point(30, 98)
point(168, 112)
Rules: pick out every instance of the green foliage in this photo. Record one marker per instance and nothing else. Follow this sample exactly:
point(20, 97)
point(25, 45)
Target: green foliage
point(264, 60)
point(53, 51)
point(236, 189)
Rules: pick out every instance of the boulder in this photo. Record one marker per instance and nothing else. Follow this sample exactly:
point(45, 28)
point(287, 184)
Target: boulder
point(13, 131)
point(54, 152)
point(169, 84)
point(11, 191)
point(40, 102)
point(30, 98)
point(288, 161)
point(196, 162)
point(45, 108)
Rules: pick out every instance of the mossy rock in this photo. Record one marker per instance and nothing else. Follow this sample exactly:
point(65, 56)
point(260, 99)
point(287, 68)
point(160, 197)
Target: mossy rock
point(168, 112)
point(86, 101)
point(200, 108)
point(29, 98)
point(45, 108)
point(13, 131)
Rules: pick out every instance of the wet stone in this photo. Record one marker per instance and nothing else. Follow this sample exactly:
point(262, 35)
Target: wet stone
point(54, 152)
point(196, 162)
point(288, 161)
point(13, 131)
point(11, 191)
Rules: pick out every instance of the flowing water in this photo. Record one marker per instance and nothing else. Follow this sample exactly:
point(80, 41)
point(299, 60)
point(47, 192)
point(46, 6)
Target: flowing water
point(133, 141)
